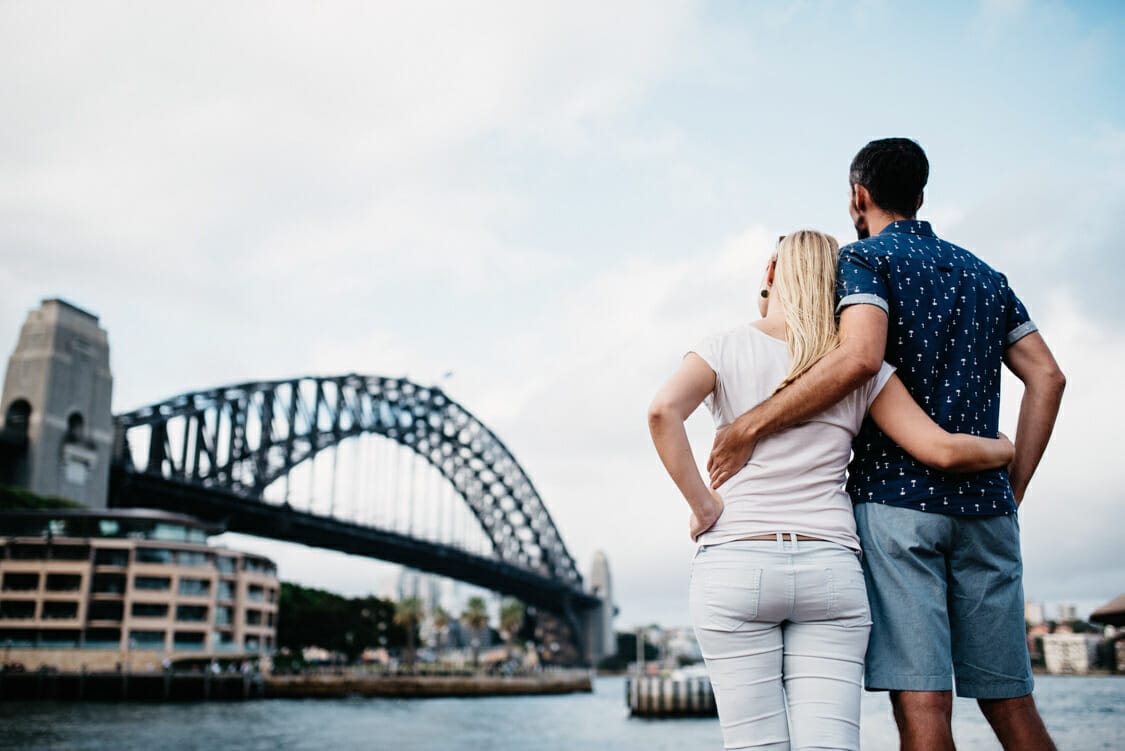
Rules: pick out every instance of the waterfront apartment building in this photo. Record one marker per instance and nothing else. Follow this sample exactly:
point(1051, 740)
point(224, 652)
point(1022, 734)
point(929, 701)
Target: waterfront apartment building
point(116, 586)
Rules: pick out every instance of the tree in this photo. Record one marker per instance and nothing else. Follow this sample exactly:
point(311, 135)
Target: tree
point(475, 617)
point(440, 618)
point(408, 612)
point(312, 617)
point(511, 618)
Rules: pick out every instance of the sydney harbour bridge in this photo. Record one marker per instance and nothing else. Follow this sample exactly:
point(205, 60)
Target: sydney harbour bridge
point(368, 465)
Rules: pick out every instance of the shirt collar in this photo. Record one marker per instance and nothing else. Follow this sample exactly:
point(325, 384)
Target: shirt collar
point(910, 227)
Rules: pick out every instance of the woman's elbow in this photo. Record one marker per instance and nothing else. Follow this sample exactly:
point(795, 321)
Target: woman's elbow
point(660, 413)
point(943, 455)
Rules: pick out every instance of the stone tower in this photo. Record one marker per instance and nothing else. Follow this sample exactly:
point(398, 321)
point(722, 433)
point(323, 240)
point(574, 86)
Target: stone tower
point(57, 425)
point(601, 641)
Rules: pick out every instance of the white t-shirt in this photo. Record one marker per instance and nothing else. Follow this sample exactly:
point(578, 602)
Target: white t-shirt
point(795, 479)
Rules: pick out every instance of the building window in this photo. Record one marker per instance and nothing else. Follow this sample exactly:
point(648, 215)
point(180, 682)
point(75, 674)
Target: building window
point(191, 613)
point(17, 608)
point(253, 617)
point(103, 638)
point(270, 619)
point(188, 640)
point(257, 565)
point(109, 584)
point(52, 638)
point(154, 555)
point(24, 552)
point(70, 552)
point(108, 528)
point(111, 557)
point(169, 532)
point(146, 639)
point(195, 587)
point(101, 610)
point(222, 615)
point(226, 590)
point(252, 644)
point(255, 592)
point(223, 641)
point(152, 582)
point(64, 582)
point(60, 610)
point(18, 637)
point(192, 558)
point(149, 610)
point(20, 582)
point(226, 564)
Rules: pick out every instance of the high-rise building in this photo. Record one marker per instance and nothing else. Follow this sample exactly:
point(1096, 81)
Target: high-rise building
point(1033, 613)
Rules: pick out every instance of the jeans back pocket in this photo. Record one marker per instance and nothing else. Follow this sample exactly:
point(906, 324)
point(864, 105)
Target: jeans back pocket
point(725, 597)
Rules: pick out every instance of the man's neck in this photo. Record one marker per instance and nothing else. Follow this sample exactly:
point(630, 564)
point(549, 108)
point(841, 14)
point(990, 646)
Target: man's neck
point(878, 221)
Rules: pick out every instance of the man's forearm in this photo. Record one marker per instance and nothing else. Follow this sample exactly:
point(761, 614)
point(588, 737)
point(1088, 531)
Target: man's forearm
point(835, 376)
point(1038, 410)
point(863, 340)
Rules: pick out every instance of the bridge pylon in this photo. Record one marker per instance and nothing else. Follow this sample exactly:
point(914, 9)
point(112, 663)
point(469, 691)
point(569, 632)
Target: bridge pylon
point(599, 637)
point(57, 434)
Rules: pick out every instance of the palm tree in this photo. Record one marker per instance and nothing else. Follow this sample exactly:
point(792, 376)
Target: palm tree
point(511, 619)
point(476, 618)
point(440, 619)
point(408, 611)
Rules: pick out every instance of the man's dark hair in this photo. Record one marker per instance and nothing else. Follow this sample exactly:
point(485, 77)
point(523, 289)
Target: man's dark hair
point(894, 171)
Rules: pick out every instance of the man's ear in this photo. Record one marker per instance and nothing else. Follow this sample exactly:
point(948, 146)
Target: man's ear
point(862, 198)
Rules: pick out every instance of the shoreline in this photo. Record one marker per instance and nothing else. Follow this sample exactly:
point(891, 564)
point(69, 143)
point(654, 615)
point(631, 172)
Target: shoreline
point(190, 687)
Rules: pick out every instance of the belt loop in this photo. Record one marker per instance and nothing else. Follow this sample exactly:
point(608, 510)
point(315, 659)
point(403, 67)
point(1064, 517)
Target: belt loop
point(780, 542)
point(793, 539)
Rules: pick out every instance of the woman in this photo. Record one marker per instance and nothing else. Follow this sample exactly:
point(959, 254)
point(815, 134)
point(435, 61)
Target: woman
point(777, 594)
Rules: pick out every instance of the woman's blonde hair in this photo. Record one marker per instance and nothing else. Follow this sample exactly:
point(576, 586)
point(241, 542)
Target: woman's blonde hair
point(805, 287)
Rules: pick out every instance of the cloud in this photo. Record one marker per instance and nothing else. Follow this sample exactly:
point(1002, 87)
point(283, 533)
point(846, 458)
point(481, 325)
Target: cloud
point(298, 173)
point(1070, 551)
point(541, 197)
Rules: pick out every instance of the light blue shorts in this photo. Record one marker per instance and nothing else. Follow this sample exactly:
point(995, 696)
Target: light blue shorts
point(946, 597)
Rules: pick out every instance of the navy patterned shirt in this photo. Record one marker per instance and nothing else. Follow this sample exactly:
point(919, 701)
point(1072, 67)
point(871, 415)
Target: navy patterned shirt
point(951, 316)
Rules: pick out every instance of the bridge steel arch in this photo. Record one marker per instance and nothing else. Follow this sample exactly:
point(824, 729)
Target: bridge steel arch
point(230, 443)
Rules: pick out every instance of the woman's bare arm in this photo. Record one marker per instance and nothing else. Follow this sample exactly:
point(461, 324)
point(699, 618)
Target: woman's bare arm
point(899, 416)
point(673, 404)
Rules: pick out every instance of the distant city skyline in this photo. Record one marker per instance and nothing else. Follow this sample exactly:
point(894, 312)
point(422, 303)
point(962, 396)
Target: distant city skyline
point(553, 202)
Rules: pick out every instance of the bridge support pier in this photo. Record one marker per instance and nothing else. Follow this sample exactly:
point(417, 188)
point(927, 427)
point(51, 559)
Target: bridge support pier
point(57, 435)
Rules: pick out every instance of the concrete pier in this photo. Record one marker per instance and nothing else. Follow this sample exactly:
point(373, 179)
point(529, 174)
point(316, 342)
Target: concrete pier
point(655, 696)
point(417, 686)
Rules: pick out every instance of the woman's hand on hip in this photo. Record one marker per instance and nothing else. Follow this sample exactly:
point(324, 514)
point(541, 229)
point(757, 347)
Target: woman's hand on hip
point(705, 518)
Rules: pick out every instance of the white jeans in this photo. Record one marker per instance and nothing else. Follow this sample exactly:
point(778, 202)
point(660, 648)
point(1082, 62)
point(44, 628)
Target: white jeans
point(782, 625)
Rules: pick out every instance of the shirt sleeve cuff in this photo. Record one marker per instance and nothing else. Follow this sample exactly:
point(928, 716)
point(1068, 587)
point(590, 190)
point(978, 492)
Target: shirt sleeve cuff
point(864, 298)
point(1019, 332)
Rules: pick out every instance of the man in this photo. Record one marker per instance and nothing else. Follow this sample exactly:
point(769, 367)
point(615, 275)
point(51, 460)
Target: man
point(941, 552)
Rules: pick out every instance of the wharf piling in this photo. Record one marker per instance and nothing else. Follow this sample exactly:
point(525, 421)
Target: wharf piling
point(656, 696)
point(126, 686)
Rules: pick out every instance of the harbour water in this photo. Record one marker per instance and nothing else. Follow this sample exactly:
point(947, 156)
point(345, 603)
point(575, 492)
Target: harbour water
point(1082, 712)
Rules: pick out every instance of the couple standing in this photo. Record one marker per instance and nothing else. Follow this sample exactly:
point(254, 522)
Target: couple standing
point(907, 384)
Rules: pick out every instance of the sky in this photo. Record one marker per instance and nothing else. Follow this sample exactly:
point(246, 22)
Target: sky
point(553, 201)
